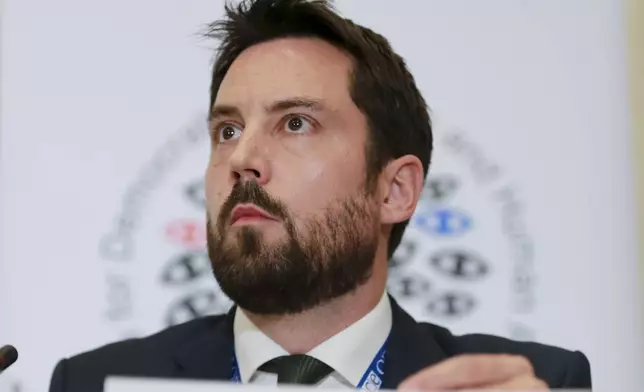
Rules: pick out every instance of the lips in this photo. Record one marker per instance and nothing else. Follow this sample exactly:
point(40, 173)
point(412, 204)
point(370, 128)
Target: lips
point(249, 212)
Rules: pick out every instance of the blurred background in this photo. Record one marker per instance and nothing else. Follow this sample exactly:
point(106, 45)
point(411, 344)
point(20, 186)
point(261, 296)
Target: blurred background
point(528, 226)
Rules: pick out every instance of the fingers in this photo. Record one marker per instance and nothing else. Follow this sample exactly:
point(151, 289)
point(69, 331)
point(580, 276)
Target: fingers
point(467, 371)
point(524, 383)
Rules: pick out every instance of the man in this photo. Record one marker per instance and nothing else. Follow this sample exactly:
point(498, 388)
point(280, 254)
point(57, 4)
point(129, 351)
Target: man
point(320, 145)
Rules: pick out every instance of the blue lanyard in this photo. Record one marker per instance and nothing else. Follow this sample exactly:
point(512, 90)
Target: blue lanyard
point(371, 380)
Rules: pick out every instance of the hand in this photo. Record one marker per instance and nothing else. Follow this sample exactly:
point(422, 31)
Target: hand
point(479, 371)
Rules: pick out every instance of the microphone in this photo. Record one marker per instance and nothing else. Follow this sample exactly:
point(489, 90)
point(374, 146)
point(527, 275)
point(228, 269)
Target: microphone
point(8, 355)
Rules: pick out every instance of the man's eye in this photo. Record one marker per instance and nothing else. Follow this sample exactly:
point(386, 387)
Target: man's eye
point(228, 132)
point(297, 124)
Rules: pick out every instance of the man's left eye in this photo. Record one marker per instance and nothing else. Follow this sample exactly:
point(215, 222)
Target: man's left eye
point(297, 124)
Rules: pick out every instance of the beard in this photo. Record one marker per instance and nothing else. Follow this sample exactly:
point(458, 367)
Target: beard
point(331, 256)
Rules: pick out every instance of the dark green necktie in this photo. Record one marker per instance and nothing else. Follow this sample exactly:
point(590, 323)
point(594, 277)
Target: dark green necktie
point(297, 369)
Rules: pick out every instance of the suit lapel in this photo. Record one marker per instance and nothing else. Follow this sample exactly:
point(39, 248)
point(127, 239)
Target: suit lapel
point(209, 355)
point(410, 348)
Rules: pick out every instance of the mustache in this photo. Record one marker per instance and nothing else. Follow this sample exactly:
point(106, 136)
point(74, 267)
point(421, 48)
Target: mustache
point(251, 193)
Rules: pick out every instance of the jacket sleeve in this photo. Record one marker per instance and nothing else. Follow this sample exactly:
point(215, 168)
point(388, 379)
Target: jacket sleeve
point(578, 374)
point(57, 383)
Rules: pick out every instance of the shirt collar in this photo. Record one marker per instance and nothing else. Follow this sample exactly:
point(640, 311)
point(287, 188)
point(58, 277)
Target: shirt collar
point(252, 347)
point(349, 352)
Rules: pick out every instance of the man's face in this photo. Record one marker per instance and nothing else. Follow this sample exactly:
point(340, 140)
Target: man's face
point(291, 223)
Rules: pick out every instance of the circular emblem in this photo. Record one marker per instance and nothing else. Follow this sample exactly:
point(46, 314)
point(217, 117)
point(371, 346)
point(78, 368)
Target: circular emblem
point(459, 263)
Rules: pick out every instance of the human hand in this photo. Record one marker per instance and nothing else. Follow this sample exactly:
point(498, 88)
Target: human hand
point(476, 371)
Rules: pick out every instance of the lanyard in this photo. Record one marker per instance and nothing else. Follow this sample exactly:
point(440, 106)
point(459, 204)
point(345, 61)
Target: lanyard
point(371, 380)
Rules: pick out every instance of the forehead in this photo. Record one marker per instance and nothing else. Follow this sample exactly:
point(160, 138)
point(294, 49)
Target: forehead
point(287, 67)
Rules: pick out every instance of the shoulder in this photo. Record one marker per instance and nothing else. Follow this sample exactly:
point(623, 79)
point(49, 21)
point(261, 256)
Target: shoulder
point(163, 342)
point(149, 356)
point(557, 366)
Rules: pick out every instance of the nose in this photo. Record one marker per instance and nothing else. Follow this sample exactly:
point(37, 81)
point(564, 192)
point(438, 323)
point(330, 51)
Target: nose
point(249, 162)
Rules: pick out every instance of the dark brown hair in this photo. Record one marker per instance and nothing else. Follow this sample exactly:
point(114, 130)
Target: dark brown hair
point(381, 85)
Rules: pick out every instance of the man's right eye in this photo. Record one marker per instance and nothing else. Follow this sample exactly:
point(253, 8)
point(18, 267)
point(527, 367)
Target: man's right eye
point(228, 132)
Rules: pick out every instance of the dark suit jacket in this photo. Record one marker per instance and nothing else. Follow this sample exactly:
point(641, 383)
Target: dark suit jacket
point(203, 349)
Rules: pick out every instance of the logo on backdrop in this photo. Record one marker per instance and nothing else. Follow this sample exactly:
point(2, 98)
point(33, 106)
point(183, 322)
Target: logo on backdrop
point(466, 252)
point(157, 271)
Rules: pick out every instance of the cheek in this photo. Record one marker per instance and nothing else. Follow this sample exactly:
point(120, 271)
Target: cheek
point(216, 158)
point(313, 187)
point(216, 188)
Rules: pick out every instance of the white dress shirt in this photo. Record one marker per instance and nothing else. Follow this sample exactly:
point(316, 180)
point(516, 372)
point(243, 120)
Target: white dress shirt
point(349, 353)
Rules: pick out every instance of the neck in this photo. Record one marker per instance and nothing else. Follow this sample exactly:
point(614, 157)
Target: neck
point(300, 333)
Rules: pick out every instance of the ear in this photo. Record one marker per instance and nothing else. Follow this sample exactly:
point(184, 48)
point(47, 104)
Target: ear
point(402, 184)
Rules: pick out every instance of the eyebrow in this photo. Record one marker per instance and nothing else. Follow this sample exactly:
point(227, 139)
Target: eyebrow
point(275, 107)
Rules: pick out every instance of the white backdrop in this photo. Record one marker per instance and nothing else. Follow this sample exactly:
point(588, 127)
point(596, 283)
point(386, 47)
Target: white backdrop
point(526, 228)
